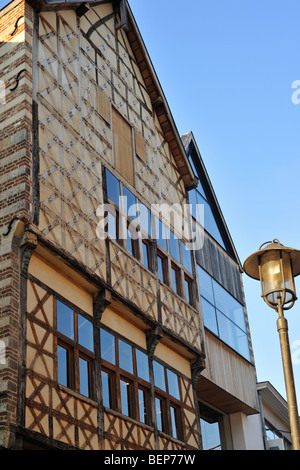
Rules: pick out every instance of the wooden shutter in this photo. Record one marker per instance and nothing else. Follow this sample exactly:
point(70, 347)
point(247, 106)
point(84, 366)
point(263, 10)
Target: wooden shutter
point(123, 149)
point(103, 105)
point(140, 146)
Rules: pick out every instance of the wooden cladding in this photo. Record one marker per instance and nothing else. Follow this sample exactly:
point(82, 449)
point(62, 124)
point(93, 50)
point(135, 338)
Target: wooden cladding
point(123, 148)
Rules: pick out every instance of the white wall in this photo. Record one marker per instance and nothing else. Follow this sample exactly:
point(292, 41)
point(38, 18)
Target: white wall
point(246, 432)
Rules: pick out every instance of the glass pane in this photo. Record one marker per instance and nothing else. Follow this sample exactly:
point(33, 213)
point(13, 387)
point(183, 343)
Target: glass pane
point(209, 314)
point(174, 279)
point(113, 187)
point(142, 365)
point(112, 226)
point(129, 202)
point(65, 319)
point(173, 384)
point(159, 376)
point(142, 405)
point(186, 257)
point(174, 246)
point(125, 356)
point(145, 255)
point(108, 352)
point(84, 376)
point(62, 365)
point(187, 290)
point(173, 422)
point(129, 242)
point(145, 218)
point(161, 234)
point(160, 268)
point(205, 285)
point(229, 306)
point(158, 410)
point(85, 333)
point(233, 335)
point(125, 391)
point(210, 435)
point(105, 389)
point(210, 224)
point(193, 202)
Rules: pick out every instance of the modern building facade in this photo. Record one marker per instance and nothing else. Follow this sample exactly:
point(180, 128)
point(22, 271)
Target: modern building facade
point(226, 389)
point(113, 336)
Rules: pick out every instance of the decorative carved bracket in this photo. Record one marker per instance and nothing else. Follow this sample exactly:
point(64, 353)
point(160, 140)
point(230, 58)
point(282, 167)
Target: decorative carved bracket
point(197, 367)
point(101, 302)
point(153, 338)
point(28, 245)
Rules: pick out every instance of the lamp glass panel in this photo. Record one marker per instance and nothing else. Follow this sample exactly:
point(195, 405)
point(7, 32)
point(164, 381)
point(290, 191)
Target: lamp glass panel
point(288, 276)
point(275, 279)
point(271, 274)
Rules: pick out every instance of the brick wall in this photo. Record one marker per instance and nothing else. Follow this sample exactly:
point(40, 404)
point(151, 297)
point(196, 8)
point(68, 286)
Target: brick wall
point(15, 193)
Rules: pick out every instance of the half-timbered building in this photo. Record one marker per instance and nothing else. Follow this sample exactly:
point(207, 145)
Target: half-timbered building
point(106, 340)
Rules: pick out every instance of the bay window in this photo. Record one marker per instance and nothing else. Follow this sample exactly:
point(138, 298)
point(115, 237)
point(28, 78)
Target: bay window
point(223, 314)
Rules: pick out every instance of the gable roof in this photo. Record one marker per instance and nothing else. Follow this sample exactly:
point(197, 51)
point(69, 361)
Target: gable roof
point(188, 140)
point(149, 75)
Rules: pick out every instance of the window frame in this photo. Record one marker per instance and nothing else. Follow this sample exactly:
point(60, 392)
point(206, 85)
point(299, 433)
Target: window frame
point(169, 401)
point(75, 351)
point(118, 374)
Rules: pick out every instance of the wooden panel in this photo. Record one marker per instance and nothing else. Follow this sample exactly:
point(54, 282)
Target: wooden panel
point(123, 149)
point(122, 433)
point(140, 146)
point(229, 381)
point(103, 105)
point(180, 318)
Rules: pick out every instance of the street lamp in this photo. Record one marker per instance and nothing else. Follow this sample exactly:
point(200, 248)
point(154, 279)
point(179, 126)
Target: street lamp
point(276, 266)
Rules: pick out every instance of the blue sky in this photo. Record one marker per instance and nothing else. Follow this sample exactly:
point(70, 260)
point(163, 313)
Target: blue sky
point(227, 68)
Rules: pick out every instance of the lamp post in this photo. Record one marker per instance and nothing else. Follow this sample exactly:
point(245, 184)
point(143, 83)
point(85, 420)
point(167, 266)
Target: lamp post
point(276, 265)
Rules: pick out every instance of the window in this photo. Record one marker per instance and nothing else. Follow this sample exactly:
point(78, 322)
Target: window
point(146, 248)
point(131, 224)
point(188, 289)
point(125, 377)
point(176, 281)
point(167, 401)
point(198, 197)
point(162, 264)
point(106, 388)
point(223, 314)
point(211, 423)
point(112, 187)
point(128, 220)
point(210, 435)
point(75, 349)
point(175, 250)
